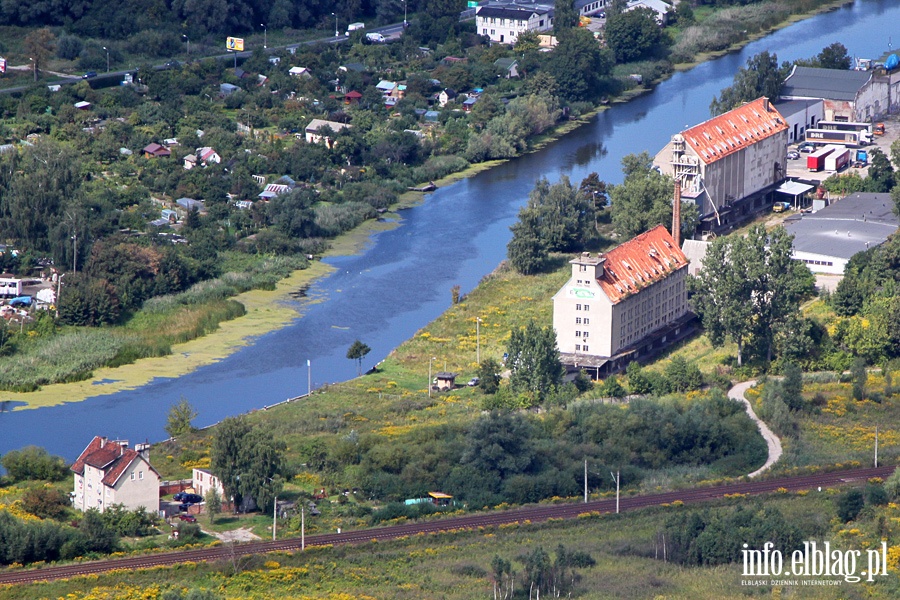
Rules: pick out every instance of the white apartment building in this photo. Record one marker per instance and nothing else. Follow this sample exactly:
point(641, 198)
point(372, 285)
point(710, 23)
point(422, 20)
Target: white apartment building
point(503, 23)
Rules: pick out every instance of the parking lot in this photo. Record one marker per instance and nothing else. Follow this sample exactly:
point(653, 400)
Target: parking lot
point(796, 169)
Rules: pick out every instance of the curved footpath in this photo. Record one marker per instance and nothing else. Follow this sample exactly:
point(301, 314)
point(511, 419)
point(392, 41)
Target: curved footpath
point(772, 441)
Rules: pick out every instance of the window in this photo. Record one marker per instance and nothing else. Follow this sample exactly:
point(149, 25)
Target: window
point(492, 32)
point(582, 268)
point(587, 307)
point(132, 475)
point(586, 334)
point(484, 31)
point(577, 347)
point(577, 320)
point(577, 307)
point(577, 334)
point(587, 321)
point(585, 348)
point(140, 474)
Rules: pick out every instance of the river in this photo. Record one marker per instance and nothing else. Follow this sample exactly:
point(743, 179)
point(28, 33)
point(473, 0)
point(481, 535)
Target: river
point(402, 281)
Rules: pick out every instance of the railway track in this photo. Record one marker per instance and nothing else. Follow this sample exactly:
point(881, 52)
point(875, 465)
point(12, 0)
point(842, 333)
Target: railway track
point(530, 514)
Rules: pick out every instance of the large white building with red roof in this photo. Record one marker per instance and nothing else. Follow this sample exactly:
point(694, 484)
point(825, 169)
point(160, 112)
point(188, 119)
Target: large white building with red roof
point(109, 472)
point(731, 165)
point(614, 302)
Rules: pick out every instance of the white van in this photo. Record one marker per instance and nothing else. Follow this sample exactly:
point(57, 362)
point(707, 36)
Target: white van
point(354, 27)
point(375, 38)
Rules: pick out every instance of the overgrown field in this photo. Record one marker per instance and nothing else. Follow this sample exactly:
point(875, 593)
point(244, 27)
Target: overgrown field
point(627, 550)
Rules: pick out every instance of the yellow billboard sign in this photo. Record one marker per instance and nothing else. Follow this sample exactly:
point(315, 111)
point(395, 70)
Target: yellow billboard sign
point(236, 44)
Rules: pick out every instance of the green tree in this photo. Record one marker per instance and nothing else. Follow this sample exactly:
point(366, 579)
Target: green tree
point(247, 461)
point(33, 463)
point(634, 35)
point(98, 534)
point(748, 286)
point(489, 376)
point(534, 361)
point(792, 386)
point(527, 250)
point(579, 66)
point(684, 376)
point(178, 421)
point(611, 388)
point(213, 504)
point(644, 199)
point(834, 56)
point(761, 77)
point(39, 46)
point(357, 352)
point(849, 504)
point(46, 503)
point(565, 18)
point(881, 173)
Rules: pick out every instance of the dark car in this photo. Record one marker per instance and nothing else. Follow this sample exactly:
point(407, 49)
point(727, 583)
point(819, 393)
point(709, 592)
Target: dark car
point(173, 64)
point(89, 75)
point(192, 498)
point(806, 147)
point(188, 518)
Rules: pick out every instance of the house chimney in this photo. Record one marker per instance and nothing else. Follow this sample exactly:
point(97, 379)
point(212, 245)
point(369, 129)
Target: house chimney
point(766, 104)
point(102, 442)
point(676, 214)
point(143, 450)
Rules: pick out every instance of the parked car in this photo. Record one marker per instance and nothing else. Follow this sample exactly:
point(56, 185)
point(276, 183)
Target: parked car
point(188, 518)
point(473, 382)
point(375, 38)
point(187, 498)
point(793, 155)
point(89, 75)
point(173, 64)
point(806, 147)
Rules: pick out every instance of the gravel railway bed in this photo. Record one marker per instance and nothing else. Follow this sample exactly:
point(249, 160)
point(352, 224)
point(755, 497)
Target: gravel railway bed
point(491, 519)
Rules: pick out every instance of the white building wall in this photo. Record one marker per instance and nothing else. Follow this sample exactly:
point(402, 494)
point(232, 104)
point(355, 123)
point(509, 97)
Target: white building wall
point(820, 263)
point(583, 316)
point(138, 486)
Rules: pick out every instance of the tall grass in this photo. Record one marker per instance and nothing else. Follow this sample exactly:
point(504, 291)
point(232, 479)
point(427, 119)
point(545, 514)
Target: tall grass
point(66, 357)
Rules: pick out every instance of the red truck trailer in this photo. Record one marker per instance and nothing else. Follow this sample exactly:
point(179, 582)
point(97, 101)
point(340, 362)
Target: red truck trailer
point(816, 160)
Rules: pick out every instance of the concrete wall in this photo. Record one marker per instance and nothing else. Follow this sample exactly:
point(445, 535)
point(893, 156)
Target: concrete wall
point(819, 263)
point(878, 98)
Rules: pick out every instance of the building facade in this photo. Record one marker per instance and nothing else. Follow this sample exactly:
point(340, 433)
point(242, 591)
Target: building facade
point(730, 165)
point(503, 23)
point(614, 301)
point(109, 472)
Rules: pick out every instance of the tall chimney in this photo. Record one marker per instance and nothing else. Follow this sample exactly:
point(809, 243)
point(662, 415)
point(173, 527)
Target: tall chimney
point(676, 214)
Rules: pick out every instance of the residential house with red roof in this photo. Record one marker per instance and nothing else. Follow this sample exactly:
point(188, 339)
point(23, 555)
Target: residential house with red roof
point(622, 304)
point(109, 472)
point(730, 165)
point(154, 150)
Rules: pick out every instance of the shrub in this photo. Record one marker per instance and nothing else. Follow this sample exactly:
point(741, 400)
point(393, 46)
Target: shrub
point(849, 504)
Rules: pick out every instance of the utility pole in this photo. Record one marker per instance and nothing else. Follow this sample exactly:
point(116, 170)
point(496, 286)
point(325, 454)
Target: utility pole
point(585, 481)
point(265, 35)
point(107, 58)
point(274, 516)
point(302, 527)
point(335, 24)
point(429, 376)
point(308, 378)
point(616, 479)
point(876, 446)
point(74, 252)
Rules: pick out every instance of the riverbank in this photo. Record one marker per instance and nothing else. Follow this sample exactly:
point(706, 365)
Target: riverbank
point(345, 246)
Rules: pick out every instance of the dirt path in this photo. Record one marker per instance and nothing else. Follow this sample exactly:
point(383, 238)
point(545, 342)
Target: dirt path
point(772, 441)
point(29, 67)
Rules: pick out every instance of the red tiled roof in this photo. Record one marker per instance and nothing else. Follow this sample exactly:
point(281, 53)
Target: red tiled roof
point(735, 130)
point(112, 458)
point(354, 94)
point(646, 259)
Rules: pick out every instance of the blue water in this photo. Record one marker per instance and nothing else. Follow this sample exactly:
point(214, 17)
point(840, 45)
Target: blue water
point(403, 280)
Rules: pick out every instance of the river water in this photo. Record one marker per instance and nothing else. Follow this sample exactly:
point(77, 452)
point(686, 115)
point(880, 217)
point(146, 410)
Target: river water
point(403, 279)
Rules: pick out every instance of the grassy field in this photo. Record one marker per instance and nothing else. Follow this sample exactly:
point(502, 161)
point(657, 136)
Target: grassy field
point(457, 565)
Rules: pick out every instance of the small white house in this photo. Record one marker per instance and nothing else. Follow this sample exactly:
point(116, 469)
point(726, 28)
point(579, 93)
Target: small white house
point(314, 137)
point(299, 72)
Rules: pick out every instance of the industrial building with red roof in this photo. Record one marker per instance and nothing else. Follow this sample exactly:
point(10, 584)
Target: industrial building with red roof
point(617, 304)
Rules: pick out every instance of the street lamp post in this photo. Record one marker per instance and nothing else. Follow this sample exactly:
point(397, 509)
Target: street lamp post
point(34, 67)
point(478, 340)
point(404, 14)
point(335, 24)
point(265, 35)
point(188, 40)
point(107, 58)
point(429, 374)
